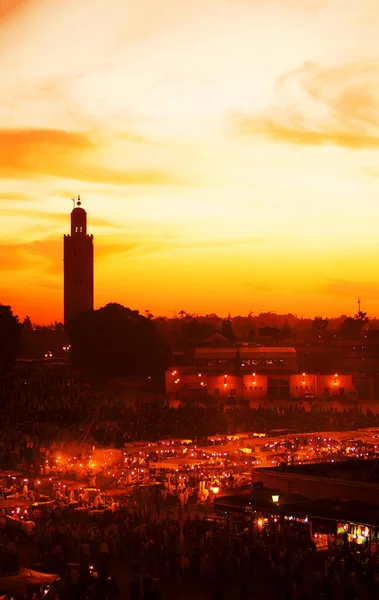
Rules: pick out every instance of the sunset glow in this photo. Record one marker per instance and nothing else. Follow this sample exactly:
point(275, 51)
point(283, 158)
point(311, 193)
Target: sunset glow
point(226, 152)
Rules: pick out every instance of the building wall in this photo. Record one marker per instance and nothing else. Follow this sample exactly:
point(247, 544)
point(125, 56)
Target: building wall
point(255, 386)
point(334, 385)
point(303, 385)
point(223, 386)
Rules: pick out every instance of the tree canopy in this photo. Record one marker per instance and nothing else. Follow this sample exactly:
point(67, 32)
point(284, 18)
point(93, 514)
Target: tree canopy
point(227, 329)
point(320, 324)
point(352, 327)
point(10, 330)
point(116, 341)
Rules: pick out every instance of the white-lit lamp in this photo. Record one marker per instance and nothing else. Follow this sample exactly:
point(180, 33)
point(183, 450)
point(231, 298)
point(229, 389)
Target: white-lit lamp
point(215, 489)
point(275, 498)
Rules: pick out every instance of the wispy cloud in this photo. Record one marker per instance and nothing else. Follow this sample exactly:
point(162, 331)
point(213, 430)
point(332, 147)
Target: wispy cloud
point(8, 8)
point(53, 217)
point(11, 197)
point(25, 256)
point(69, 155)
point(164, 244)
point(314, 106)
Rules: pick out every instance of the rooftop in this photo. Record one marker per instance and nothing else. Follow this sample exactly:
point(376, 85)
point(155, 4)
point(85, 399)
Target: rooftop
point(247, 352)
point(354, 470)
point(298, 506)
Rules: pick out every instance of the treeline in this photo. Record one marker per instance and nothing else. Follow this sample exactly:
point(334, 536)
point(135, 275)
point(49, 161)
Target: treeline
point(115, 340)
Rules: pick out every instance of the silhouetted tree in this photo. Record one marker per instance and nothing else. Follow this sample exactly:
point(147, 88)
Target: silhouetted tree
point(194, 329)
point(115, 341)
point(227, 329)
point(273, 333)
point(27, 324)
point(361, 317)
point(320, 324)
point(10, 330)
point(352, 327)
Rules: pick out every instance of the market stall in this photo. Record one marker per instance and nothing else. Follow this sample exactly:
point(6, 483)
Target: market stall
point(25, 581)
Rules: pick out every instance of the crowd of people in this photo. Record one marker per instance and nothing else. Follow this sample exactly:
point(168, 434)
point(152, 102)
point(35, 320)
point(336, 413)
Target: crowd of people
point(45, 409)
point(157, 549)
point(56, 403)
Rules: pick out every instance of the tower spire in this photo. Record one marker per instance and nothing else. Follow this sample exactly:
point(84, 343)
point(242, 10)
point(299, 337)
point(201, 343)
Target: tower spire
point(78, 265)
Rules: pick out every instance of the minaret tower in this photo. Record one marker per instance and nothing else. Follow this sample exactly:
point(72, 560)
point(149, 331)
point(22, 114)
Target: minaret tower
point(78, 265)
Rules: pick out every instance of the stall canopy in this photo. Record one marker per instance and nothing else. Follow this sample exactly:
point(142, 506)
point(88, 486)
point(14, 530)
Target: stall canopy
point(19, 583)
point(14, 504)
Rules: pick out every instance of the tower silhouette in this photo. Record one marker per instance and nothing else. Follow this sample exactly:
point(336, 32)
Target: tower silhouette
point(78, 266)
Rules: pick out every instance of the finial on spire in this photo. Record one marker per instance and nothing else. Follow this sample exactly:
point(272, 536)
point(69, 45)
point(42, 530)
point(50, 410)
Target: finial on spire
point(78, 202)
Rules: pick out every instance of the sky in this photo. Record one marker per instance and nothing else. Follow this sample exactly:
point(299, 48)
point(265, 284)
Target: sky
point(226, 152)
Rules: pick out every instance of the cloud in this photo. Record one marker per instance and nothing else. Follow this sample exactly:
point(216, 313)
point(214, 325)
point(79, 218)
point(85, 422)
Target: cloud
point(56, 218)
point(8, 8)
point(143, 247)
point(24, 256)
point(56, 153)
point(335, 106)
point(13, 197)
point(288, 135)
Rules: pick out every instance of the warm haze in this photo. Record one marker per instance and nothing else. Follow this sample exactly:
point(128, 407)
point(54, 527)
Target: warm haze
point(226, 151)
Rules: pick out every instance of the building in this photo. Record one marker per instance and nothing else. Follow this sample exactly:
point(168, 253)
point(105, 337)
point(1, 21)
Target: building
point(254, 374)
point(267, 359)
point(336, 502)
point(78, 266)
point(351, 481)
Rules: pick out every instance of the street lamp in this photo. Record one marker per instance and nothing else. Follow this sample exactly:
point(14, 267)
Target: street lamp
point(275, 498)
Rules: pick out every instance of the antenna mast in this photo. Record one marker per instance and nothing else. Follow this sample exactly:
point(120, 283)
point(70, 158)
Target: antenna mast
point(359, 305)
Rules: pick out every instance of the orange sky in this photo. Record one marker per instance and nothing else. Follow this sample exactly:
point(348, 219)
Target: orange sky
point(226, 151)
